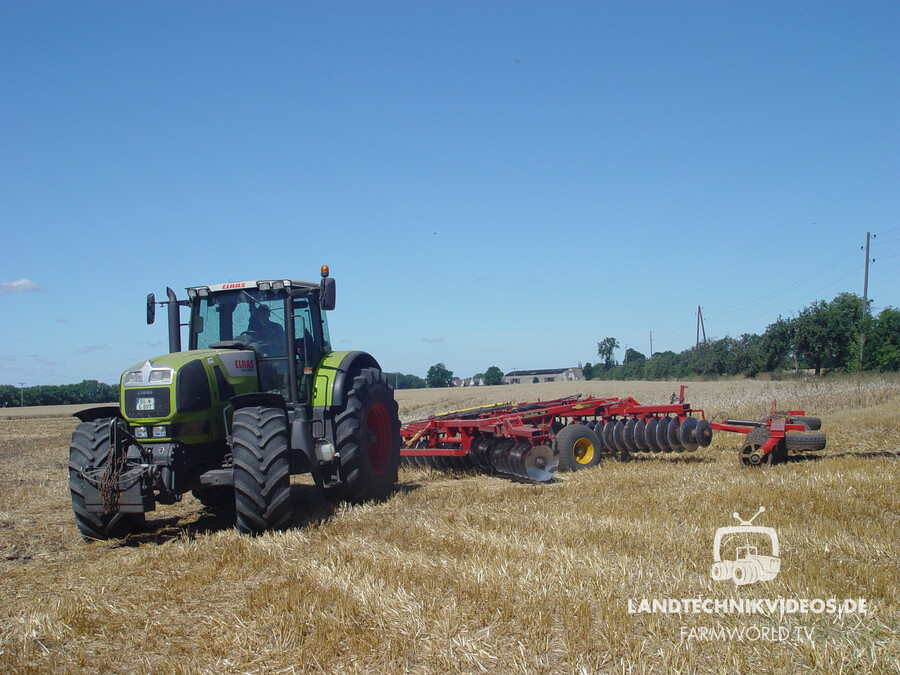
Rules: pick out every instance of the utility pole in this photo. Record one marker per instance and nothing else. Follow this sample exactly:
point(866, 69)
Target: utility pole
point(22, 394)
point(699, 326)
point(651, 343)
point(862, 336)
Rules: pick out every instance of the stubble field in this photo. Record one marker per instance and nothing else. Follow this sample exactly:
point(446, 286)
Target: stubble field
point(471, 573)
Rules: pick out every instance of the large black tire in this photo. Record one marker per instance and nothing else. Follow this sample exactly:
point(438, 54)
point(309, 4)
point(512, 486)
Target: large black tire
point(368, 440)
point(802, 441)
point(262, 469)
point(218, 499)
point(90, 447)
point(811, 423)
point(578, 447)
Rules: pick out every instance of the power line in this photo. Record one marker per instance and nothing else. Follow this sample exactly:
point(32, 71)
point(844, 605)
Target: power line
point(803, 300)
point(730, 309)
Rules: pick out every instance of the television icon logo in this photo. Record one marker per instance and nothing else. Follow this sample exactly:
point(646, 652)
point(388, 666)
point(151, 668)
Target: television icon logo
point(748, 565)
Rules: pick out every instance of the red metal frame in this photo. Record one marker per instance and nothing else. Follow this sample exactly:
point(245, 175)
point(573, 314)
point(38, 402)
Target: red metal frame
point(777, 424)
point(452, 434)
point(455, 434)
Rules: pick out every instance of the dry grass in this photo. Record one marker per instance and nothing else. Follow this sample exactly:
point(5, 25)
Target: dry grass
point(472, 573)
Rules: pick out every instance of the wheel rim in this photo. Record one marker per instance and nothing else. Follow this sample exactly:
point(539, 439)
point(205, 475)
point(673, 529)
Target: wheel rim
point(751, 453)
point(583, 451)
point(378, 430)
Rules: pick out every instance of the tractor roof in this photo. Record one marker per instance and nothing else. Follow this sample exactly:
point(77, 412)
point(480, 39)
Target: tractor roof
point(261, 284)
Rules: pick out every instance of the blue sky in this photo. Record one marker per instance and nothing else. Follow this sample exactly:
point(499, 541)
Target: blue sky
point(491, 183)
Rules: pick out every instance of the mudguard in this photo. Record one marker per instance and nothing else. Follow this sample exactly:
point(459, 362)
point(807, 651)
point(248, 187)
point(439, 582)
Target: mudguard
point(334, 376)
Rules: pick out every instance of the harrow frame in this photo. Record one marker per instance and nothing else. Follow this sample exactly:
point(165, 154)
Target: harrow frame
point(526, 440)
point(475, 434)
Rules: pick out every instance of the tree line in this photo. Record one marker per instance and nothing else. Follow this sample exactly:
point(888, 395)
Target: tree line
point(823, 337)
point(87, 391)
point(440, 376)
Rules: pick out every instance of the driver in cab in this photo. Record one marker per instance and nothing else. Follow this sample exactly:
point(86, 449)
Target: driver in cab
point(266, 331)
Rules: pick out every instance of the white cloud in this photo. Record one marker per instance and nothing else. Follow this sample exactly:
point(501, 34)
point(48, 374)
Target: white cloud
point(434, 340)
point(93, 348)
point(19, 286)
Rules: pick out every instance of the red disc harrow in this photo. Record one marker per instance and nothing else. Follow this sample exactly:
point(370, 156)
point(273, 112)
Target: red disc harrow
point(532, 440)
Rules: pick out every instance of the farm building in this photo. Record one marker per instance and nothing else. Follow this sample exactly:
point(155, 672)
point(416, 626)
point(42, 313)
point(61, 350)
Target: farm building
point(551, 375)
point(468, 382)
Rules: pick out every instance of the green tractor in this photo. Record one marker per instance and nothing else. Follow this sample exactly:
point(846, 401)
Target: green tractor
point(258, 396)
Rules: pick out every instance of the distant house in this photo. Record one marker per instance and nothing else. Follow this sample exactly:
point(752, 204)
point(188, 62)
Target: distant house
point(468, 382)
point(551, 375)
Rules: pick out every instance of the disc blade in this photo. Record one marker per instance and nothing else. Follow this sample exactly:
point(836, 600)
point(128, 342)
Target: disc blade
point(540, 463)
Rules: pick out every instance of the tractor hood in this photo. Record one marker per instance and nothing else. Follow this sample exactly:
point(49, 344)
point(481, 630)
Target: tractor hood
point(170, 390)
point(161, 370)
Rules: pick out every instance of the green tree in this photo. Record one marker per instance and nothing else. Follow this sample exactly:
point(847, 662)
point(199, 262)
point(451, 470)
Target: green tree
point(9, 395)
point(664, 365)
point(605, 349)
point(439, 376)
point(774, 350)
point(825, 333)
point(493, 376)
point(882, 349)
point(587, 370)
point(632, 355)
point(401, 381)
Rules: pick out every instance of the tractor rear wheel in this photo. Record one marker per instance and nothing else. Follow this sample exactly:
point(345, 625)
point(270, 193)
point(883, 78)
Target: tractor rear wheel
point(262, 469)
point(367, 437)
point(90, 448)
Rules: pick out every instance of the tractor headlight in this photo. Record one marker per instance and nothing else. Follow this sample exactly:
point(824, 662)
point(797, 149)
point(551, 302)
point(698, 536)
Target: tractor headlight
point(161, 376)
point(140, 432)
point(134, 377)
point(160, 432)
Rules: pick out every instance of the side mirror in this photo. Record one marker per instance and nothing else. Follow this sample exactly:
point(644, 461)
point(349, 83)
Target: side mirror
point(327, 294)
point(151, 308)
point(196, 325)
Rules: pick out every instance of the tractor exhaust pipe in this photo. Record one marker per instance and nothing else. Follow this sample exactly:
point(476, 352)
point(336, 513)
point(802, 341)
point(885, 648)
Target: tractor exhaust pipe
point(174, 322)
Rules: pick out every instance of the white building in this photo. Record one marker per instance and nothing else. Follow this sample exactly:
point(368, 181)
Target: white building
point(552, 375)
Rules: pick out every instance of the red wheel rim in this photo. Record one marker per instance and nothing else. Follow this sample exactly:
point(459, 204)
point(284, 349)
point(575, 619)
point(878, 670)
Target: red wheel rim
point(378, 430)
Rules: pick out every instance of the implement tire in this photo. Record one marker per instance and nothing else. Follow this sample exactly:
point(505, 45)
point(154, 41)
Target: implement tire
point(578, 447)
point(755, 440)
point(90, 448)
point(262, 469)
point(811, 423)
point(367, 437)
point(805, 440)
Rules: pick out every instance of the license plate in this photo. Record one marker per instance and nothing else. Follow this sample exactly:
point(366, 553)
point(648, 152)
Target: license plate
point(146, 403)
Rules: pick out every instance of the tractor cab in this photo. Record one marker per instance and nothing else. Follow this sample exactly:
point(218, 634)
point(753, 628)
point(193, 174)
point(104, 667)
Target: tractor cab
point(282, 322)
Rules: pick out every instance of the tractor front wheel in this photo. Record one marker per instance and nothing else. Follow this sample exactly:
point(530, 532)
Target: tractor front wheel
point(368, 440)
point(90, 448)
point(262, 469)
